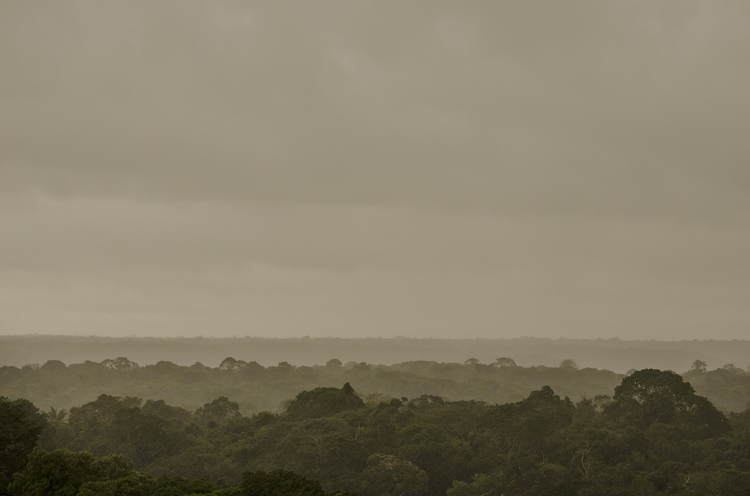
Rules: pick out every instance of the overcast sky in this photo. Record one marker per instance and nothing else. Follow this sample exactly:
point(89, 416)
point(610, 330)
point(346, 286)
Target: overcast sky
point(426, 169)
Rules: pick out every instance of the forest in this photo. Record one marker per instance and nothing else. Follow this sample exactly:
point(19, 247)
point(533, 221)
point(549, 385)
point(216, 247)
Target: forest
point(618, 355)
point(257, 388)
point(496, 429)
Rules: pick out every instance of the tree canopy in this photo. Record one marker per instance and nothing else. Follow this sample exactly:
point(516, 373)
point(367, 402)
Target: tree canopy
point(654, 435)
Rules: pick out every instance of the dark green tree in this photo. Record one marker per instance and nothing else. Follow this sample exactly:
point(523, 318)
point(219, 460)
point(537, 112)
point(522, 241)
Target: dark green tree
point(218, 411)
point(70, 473)
point(63, 473)
point(387, 475)
point(324, 401)
point(280, 483)
point(651, 396)
point(20, 425)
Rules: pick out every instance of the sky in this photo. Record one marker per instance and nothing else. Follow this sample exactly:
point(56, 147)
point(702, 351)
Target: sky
point(424, 169)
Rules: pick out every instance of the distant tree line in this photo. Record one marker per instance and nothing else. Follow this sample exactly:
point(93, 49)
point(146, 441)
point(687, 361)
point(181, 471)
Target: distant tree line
point(256, 388)
point(613, 354)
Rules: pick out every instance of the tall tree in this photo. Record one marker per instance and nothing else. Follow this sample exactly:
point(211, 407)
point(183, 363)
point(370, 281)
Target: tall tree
point(651, 396)
point(20, 425)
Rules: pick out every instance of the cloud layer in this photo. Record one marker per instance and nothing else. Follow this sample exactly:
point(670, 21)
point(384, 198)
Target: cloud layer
point(375, 168)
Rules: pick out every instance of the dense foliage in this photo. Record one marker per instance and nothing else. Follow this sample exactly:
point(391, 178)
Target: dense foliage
point(64, 473)
point(20, 426)
point(654, 435)
point(256, 388)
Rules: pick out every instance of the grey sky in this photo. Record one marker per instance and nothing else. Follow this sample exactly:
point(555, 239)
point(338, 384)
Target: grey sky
point(454, 169)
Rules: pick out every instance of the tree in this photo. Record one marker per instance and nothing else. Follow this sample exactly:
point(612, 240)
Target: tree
point(569, 364)
point(505, 362)
point(134, 484)
point(652, 396)
point(324, 449)
point(68, 473)
point(141, 438)
point(334, 364)
point(140, 484)
point(55, 415)
point(387, 475)
point(164, 367)
point(217, 411)
point(161, 409)
point(120, 363)
point(279, 483)
point(230, 363)
point(324, 401)
point(62, 473)
point(92, 419)
point(699, 366)
point(54, 366)
point(20, 426)
point(530, 423)
point(481, 485)
point(730, 367)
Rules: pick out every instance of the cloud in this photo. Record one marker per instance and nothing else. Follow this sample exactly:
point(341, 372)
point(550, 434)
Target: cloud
point(626, 110)
point(582, 156)
point(131, 266)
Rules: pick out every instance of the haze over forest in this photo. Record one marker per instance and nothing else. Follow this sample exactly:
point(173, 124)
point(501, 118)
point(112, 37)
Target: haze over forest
point(375, 248)
point(610, 354)
point(375, 169)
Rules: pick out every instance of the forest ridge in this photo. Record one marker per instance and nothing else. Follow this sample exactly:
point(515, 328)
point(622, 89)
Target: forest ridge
point(257, 388)
point(618, 355)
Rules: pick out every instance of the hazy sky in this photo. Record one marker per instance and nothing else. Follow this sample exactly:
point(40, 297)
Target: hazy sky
point(428, 169)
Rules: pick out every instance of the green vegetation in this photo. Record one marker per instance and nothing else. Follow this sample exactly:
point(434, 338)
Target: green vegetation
point(652, 435)
point(62, 473)
point(20, 426)
point(256, 388)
